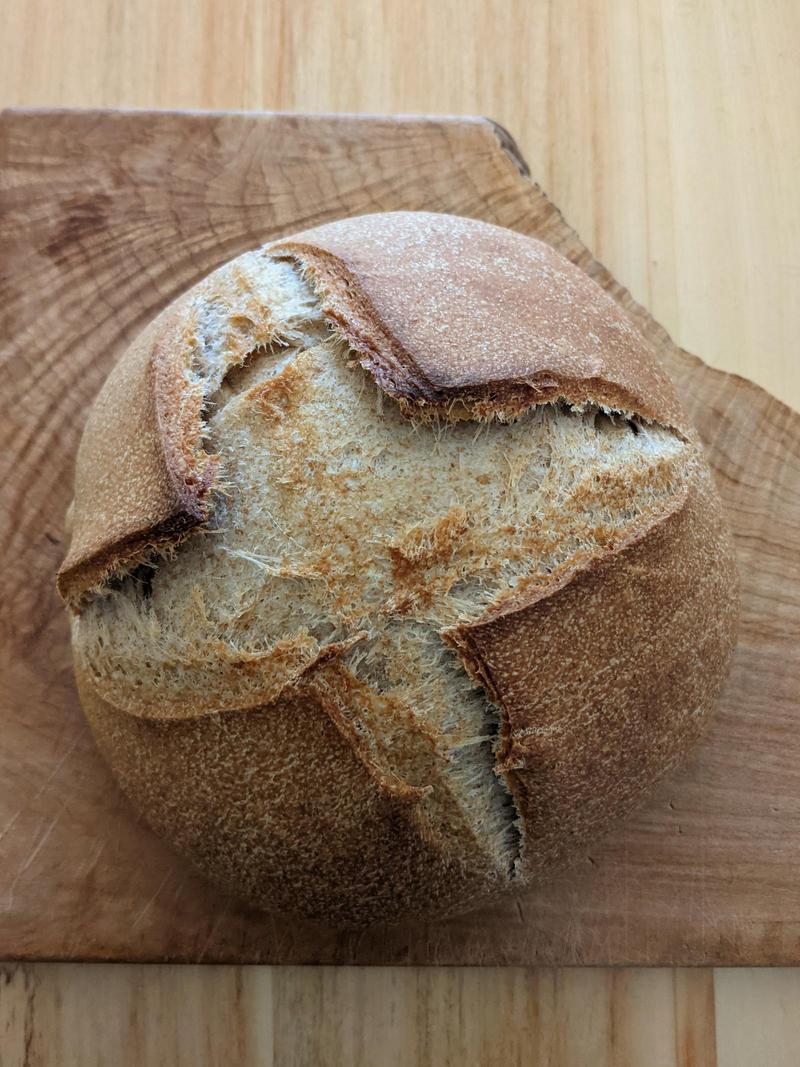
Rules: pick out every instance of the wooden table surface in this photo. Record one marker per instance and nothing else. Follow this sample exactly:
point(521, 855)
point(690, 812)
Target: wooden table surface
point(668, 131)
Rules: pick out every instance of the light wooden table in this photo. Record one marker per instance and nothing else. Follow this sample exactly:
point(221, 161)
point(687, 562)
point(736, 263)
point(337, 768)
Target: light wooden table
point(668, 131)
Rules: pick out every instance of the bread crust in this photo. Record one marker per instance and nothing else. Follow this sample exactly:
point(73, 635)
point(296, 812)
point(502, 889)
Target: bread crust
point(128, 497)
point(442, 309)
point(285, 807)
point(607, 675)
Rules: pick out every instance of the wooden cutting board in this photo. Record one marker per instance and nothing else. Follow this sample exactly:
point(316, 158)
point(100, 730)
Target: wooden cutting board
point(105, 218)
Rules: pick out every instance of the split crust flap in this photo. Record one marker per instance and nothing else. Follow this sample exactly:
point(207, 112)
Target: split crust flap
point(442, 308)
point(281, 807)
point(607, 674)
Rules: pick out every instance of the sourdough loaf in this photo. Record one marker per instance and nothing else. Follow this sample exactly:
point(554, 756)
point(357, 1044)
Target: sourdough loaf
point(396, 573)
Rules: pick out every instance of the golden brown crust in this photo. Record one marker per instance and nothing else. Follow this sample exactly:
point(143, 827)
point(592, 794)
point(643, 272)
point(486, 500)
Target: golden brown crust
point(441, 308)
point(127, 496)
point(606, 679)
point(284, 807)
point(130, 494)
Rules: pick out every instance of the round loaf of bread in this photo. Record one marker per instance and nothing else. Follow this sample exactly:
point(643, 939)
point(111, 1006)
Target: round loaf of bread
point(396, 573)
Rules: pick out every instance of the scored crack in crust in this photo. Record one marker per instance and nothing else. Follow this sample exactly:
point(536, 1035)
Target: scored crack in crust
point(369, 645)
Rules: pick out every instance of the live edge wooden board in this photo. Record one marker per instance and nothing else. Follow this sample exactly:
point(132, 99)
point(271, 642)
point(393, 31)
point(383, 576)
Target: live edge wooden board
point(105, 218)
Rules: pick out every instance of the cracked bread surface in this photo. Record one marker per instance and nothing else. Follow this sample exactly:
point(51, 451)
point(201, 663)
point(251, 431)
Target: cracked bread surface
point(349, 653)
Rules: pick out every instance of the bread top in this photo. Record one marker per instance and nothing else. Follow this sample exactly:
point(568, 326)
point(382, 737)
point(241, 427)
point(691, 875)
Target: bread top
point(443, 309)
point(130, 492)
point(453, 317)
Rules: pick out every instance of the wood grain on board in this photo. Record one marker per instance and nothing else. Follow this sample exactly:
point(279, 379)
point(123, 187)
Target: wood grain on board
point(106, 217)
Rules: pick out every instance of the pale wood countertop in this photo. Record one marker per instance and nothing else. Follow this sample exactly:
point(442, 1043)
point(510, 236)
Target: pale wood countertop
point(668, 131)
